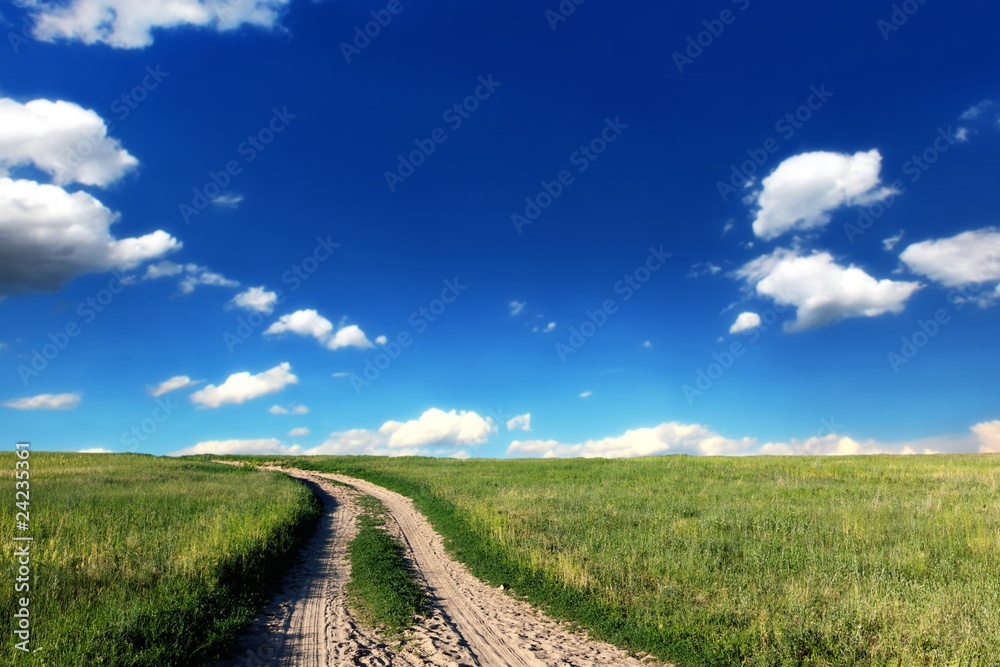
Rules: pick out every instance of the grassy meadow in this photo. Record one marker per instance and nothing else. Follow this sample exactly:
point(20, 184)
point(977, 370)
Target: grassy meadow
point(145, 561)
point(717, 561)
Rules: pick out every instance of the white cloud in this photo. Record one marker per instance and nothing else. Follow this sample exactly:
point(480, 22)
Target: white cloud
point(434, 433)
point(51, 236)
point(311, 323)
point(696, 439)
point(969, 257)
point(727, 227)
point(256, 299)
point(128, 24)
point(976, 110)
point(439, 427)
point(293, 410)
point(64, 140)
point(261, 446)
point(962, 135)
point(194, 275)
point(242, 387)
point(805, 189)
point(45, 402)
point(549, 327)
point(890, 243)
point(521, 422)
point(647, 344)
point(516, 307)
point(703, 269)
point(173, 384)
point(988, 435)
point(823, 291)
point(349, 336)
point(381, 340)
point(745, 322)
point(228, 200)
point(202, 276)
point(299, 432)
point(586, 394)
point(95, 450)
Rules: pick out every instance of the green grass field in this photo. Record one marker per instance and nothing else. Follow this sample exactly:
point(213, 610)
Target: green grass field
point(145, 561)
point(753, 561)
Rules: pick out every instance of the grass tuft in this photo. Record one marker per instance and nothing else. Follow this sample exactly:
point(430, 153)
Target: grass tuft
point(382, 592)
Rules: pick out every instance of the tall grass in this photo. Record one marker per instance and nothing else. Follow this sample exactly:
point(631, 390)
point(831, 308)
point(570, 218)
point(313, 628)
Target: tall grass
point(146, 561)
point(713, 561)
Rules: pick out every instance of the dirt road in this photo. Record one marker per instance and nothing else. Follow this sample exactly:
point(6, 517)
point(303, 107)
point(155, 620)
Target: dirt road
point(467, 622)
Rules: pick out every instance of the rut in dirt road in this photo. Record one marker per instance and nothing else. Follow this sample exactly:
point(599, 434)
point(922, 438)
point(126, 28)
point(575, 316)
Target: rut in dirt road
point(467, 622)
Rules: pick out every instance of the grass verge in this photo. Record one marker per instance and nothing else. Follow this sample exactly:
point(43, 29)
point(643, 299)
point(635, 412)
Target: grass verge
point(382, 592)
point(139, 560)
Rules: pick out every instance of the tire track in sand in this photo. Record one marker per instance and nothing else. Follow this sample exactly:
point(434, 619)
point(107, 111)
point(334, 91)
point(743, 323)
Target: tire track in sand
point(467, 623)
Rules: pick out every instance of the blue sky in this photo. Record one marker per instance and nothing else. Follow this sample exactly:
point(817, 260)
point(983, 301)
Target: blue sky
point(508, 229)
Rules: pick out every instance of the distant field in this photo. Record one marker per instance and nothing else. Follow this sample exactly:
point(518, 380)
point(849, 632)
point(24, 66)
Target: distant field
point(754, 561)
point(144, 561)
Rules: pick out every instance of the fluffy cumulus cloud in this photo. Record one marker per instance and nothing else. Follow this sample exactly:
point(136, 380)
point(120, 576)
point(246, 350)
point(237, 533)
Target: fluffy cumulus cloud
point(439, 427)
point(516, 307)
point(823, 291)
point(311, 323)
point(434, 433)
point(242, 387)
point(51, 235)
point(299, 432)
point(260, 446)
point(256, 299)
point(519, 422)
point(175, 383)
point(988, 436)
point(128, 24)
point(805, 189)
point(62, 139)
point(45, 402)
point(745, 322)
point(969, 257)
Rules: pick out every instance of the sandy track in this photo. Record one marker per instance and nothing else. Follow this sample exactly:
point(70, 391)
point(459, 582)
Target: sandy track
point(468, 622)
